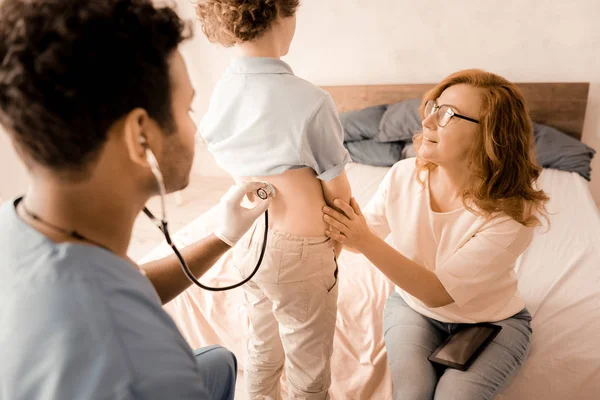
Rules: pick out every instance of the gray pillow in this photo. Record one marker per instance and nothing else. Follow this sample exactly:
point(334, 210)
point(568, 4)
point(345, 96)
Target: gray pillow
point(362, 124)
point(400, 122)
point(382, 135)
point(370, 152)
point(558, 150)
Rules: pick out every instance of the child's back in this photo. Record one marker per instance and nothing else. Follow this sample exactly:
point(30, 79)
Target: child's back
point(264, 123)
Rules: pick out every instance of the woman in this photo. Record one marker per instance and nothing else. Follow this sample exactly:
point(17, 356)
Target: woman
point(264, 123)
point(459, 216)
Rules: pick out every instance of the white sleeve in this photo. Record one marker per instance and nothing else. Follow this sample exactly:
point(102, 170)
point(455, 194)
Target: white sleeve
point(375, 211)
point(324, 149)
point(489, 254)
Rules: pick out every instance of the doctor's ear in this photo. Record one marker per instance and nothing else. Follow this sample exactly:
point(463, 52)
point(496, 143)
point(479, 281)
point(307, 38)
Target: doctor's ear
point(137, 125)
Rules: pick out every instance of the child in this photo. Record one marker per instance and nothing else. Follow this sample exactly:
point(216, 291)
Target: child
point(266, 124)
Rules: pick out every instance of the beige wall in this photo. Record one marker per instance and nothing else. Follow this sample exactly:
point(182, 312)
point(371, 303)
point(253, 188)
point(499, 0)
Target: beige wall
point(344, 42)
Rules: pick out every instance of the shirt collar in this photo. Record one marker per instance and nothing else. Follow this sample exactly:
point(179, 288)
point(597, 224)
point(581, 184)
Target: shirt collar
point(259, 65)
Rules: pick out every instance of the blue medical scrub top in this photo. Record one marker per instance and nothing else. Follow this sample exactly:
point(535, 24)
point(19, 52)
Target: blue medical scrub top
point(78, 322)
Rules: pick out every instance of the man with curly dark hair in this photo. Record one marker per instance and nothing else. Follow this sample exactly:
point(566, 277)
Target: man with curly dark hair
point(88, 88)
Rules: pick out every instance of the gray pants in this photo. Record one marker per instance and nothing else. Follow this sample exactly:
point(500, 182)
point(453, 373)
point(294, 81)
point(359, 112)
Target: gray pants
point(218, 368)
point(410, 338)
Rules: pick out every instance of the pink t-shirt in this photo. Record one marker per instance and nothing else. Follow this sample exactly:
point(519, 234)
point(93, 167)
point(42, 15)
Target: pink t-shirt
point(473, 256)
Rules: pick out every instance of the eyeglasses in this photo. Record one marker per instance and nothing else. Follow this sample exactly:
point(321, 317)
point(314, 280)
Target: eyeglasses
point(444, 113)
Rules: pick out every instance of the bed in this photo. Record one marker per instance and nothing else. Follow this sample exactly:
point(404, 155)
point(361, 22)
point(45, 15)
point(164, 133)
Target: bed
point(559, 276)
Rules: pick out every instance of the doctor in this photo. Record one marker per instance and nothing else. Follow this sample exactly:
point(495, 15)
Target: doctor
point(87, 87)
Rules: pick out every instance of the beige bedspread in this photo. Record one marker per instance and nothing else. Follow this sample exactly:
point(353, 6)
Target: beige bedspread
point(559, 279)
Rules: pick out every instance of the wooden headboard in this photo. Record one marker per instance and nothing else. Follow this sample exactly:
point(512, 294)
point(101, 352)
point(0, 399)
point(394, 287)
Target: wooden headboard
point(561, 105)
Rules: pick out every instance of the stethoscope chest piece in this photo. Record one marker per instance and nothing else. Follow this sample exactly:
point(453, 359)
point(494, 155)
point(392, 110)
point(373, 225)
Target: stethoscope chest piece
point(262, 193)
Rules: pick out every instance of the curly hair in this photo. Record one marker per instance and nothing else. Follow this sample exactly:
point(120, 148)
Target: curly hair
point(70, 69)
point(230, 22)
point(502, 161)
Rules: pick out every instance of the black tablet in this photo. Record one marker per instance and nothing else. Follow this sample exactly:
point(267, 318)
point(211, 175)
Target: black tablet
point(463, 347)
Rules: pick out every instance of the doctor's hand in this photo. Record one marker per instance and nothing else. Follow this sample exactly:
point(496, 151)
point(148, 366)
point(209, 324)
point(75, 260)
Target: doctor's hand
point(234, 220)
point(350, 227)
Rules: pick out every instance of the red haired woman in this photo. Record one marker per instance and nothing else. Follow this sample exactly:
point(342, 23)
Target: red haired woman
point(459, 215)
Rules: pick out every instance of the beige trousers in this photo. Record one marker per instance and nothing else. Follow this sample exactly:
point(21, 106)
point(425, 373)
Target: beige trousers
point(292, 306)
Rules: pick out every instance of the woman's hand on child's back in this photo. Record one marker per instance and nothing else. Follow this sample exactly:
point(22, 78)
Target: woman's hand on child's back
point(348, 227)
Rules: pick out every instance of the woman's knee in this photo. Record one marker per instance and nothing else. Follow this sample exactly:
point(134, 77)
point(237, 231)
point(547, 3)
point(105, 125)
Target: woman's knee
point(413, 376)
point(409, 339)
point(403, 326)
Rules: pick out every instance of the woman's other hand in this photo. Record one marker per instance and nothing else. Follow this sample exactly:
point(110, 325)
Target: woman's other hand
point(349, 227)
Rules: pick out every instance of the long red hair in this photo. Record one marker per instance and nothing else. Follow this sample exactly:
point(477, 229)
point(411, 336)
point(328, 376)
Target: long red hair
point(502, 160)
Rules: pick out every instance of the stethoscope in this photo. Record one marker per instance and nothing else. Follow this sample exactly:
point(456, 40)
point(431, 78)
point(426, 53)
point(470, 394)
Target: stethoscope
point(162, 225)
